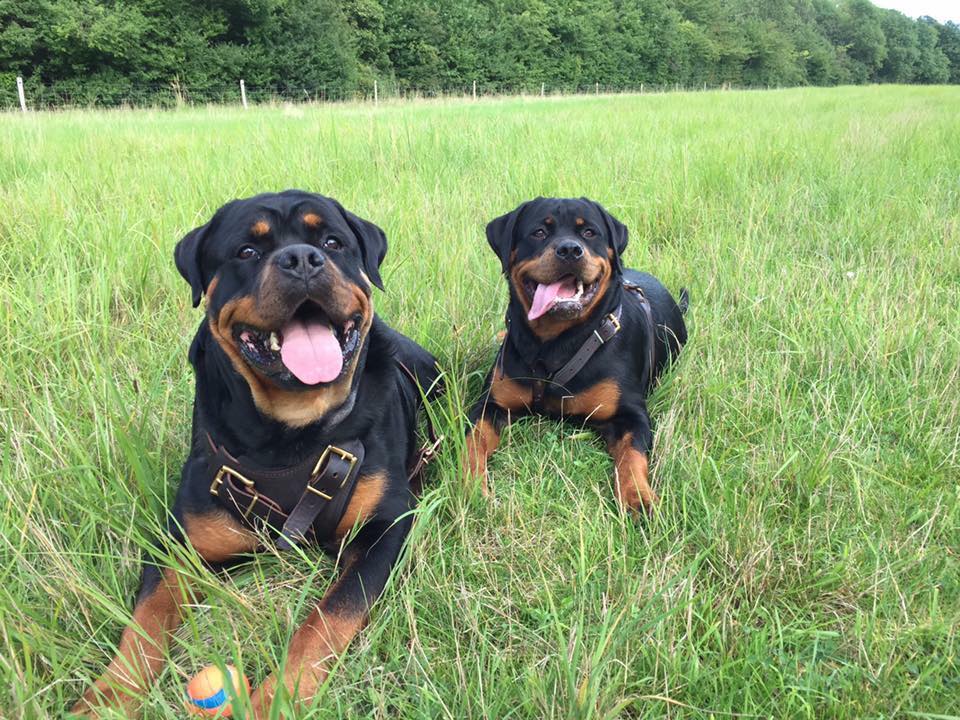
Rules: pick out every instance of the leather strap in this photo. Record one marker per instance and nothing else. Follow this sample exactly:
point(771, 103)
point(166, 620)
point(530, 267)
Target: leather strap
point(537, 392)
point(325, 497)
point(238, 493)
point(425, 453)
point(260, 496)
point(608, 328)
point(650, 328)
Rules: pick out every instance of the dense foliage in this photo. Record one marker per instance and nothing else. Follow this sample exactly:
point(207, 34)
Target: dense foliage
point(96, 51)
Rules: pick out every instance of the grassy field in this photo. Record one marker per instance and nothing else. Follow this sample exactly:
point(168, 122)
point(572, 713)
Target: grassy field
point(805, 559)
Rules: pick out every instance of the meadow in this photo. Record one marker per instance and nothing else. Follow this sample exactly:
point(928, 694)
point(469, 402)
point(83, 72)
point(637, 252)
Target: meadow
point(804, 561)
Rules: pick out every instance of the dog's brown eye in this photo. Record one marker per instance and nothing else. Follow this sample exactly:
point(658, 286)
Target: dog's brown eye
point(588, 233)
point(248, 252)
point(539, 233)
point(332, 243)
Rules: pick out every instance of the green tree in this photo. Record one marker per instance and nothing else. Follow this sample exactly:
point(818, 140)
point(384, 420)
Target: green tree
point(862, 38)
point(903, 49)
point(113, 51)
point(949, 44)
point(933, 65)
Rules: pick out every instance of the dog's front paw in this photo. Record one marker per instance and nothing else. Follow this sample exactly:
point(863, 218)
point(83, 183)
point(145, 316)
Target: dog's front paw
point(106, 700)
point(637, 503)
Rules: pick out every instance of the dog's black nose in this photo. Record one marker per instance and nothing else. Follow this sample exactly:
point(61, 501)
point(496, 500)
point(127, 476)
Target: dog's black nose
point(301, 261)
point(569, 250)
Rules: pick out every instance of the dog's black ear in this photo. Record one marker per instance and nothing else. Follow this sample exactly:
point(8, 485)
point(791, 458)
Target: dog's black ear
point(373, 243)
point(500, 234)
point(187, 257)
point(617, 234)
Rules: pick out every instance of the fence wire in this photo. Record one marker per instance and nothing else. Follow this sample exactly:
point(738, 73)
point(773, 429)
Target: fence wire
point(39, 97)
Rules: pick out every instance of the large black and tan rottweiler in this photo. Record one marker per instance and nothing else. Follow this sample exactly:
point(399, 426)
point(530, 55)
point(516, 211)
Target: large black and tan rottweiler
point(586, 339)
point(304, 427)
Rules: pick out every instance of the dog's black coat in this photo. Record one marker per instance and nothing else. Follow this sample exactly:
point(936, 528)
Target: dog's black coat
point(380, 410)
point(384, 400)
point(523, 236)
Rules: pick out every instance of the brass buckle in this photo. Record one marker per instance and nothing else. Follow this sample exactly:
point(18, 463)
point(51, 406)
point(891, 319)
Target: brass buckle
point(218, 480)
point(428, 451)
point(616, 322)
point(324, 456)
point(247, 483)
point(616, 328)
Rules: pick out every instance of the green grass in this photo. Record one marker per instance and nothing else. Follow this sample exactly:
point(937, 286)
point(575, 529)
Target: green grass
point(805, 558)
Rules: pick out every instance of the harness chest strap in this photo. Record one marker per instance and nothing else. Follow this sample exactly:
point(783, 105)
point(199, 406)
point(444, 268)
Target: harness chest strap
point(259, 496)
point(326, 497)
point(318, 492)
point(609, 327)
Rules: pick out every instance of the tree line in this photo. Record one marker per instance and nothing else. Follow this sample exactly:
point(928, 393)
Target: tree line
point(114, 51)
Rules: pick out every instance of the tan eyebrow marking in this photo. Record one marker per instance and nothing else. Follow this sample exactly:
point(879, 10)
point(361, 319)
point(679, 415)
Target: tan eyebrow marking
point(548, 220)
point(580, 222)
point(312, 220)
point(260, 228)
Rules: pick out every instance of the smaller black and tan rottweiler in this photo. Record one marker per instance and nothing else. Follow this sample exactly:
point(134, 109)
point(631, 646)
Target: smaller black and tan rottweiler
point(586, 339)
point(304, 428)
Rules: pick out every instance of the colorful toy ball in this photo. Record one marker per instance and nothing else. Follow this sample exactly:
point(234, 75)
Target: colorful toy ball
point(209, 694)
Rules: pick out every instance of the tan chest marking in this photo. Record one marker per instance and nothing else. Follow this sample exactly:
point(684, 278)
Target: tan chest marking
point(509, 394)
point(598, 402)
point(217, 536)
point(363, 503)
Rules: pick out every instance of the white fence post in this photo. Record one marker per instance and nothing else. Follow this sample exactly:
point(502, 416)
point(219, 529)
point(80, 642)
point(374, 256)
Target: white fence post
point(243, 94)
point(641, 88)
point(596, 88)
point(474, 89)
point(543, 87)
point(23, 98)
point(376, 93)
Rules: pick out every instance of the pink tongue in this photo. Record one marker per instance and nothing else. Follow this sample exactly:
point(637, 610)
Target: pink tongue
point(546, 295)
point(311, 352)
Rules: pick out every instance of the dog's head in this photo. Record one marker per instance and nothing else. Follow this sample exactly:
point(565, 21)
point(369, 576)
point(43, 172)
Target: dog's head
point(288, 279)
point(559, 256)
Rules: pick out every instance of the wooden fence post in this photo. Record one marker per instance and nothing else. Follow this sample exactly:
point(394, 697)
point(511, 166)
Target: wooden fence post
point(376, 93)
point(243, 94)
point(23, 98)
point(474, 89)
point(543, 87)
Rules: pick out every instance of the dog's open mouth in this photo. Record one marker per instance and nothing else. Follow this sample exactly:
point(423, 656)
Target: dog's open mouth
point(309, 347)
point(567, 297)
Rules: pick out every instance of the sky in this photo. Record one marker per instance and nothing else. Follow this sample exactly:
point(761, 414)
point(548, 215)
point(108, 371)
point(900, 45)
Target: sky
point(942, 10)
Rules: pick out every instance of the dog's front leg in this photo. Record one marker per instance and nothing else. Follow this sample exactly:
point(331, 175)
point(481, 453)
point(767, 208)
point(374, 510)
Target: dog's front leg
point(629, 440)
point(158, 612)
point(487, 422)
point(339, 616)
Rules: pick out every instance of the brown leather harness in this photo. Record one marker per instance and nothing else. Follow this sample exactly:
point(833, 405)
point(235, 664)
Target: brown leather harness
point(316, 491)
point(609, 326)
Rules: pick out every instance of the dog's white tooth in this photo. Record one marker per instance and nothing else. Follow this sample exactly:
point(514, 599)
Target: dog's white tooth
point(274, 342)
